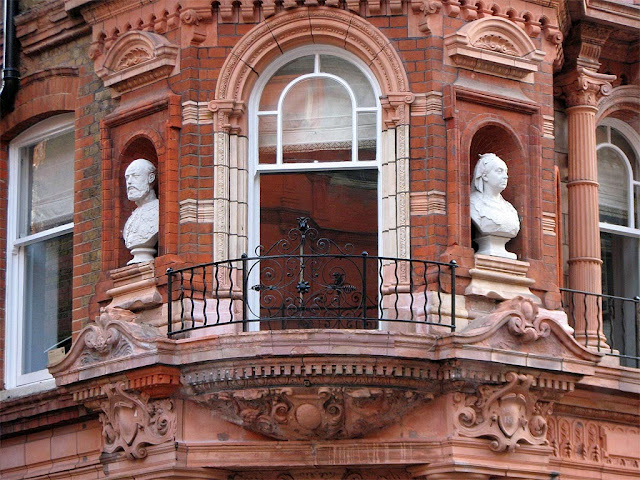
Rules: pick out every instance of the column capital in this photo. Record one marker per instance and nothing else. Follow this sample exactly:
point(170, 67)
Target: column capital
point(583, 87)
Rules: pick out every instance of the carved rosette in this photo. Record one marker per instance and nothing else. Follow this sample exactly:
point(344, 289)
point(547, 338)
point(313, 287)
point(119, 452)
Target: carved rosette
point(131, 422)
point(313, 413)
point(508, 414)
point(583, 87)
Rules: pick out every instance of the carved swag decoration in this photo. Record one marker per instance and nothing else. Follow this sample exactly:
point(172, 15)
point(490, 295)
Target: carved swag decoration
point(130, 422)
point(508, 414)
point(309, 413)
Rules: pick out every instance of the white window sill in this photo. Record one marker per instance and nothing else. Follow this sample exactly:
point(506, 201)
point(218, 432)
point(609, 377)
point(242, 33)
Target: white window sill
point(29, 389)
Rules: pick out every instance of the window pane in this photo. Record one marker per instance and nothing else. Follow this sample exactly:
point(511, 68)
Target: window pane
point(353, 76)
point(47, 183)
point(621, 142)
point(47, 300)
point(601, 135)
point(267, 138)
point(282, 78)
point(367, 129)
point(614, 187)
point(316, 122)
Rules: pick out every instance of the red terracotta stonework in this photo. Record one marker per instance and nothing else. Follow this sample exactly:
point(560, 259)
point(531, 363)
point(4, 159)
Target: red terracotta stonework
point(531, 381)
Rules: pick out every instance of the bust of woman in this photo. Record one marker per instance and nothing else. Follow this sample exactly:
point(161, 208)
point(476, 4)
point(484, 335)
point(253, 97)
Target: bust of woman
point(496, 220)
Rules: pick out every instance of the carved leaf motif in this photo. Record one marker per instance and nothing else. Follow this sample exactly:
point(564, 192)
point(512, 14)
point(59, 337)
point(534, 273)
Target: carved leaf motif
point(496, 43)
point(133, 57)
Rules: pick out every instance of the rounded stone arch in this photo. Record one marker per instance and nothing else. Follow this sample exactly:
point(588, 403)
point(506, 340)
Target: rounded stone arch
point(287, 30)
point(622, 103)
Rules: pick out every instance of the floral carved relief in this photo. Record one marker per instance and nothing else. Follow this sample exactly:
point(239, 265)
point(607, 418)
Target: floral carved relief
point(509, 414)
point(131, 422)
point(135, 59)
point(495, 46)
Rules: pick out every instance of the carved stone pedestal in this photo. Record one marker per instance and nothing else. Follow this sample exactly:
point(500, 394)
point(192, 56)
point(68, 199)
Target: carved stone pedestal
point(135, 287)
point(500, 278)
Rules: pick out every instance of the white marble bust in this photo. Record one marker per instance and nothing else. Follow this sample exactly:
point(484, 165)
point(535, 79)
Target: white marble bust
point(140, 232)
point(496, 220)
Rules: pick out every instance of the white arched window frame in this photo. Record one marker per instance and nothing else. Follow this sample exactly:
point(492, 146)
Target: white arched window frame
point(255, 168)
point(632, 228)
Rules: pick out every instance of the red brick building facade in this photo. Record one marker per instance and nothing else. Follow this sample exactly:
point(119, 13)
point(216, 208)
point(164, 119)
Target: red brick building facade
point(325, 128)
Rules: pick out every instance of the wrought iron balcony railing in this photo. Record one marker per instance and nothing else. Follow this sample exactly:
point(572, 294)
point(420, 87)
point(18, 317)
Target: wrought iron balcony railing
point(308, 282)
point(617, 317)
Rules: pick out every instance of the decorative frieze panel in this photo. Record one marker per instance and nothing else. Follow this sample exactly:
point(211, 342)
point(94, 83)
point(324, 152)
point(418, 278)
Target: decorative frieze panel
point(131, 422)
point(495, 46)
point(137, 59)
point(594, 442)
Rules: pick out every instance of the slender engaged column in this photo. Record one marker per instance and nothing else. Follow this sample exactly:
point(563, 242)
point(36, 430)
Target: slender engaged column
point(583, 88)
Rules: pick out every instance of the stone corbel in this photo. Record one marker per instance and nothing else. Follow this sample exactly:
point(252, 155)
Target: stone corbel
point(427, 10)
point(227, 115)
point(507, 414)
point(451, 8)
point(131, 422)
point(584, 87)
point(396, 108)
point(195, 17)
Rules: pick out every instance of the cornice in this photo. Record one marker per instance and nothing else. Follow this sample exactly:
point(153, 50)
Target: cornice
point(47, 26)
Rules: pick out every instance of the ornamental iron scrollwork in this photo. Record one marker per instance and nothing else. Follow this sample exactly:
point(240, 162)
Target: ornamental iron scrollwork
point(315, 281)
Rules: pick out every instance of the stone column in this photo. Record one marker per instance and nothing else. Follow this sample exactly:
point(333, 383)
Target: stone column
point(582, 89)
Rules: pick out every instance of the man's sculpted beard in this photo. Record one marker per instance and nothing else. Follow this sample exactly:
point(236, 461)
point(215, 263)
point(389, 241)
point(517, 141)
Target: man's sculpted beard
point(135, 194)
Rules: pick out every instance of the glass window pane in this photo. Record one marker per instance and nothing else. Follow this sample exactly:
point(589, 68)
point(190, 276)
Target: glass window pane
point(601, 134)
point(621, 142)
point(47, 181)
point(614, 187)
point(317, 122)
point(282, 78)
point(47, 300)
point(353, 76)
point(367, 128)
point(267, 129)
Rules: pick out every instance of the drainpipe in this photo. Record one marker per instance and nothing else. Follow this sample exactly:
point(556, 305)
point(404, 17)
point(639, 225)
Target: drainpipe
point(10, 73)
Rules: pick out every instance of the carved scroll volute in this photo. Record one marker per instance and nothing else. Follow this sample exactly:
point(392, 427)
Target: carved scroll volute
point(428, 11)
point(396, 109)
point(130, 422)
point(508, 414)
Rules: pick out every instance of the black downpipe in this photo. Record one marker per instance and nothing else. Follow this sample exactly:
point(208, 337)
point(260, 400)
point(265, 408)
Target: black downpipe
point(10, 72)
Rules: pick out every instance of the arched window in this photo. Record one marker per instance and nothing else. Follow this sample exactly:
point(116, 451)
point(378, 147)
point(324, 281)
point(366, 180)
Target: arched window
point(315, 153)
point(315, 149)
point(618, 149)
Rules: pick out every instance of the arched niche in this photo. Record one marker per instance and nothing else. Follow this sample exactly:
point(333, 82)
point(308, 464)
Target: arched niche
point(140, 146)
point(498, 139)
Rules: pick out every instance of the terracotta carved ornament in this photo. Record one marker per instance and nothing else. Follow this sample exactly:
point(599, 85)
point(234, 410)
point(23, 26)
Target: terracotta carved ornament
point(508, 414)
point(131, 422)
